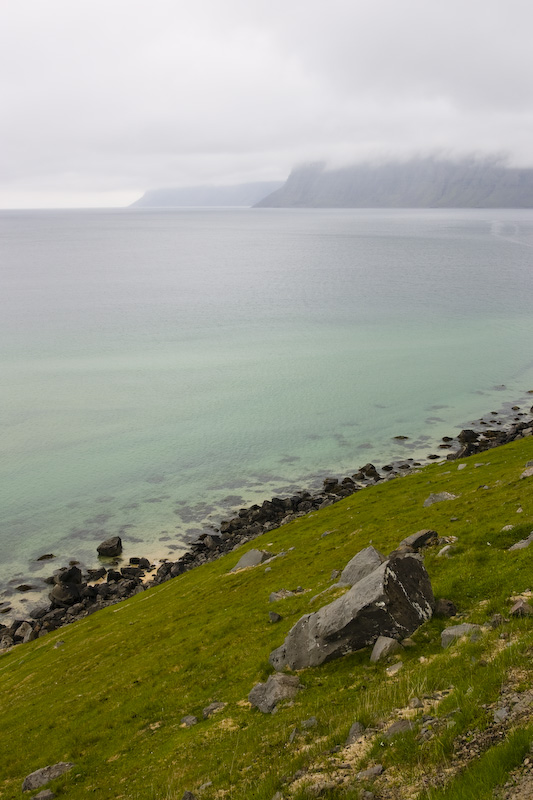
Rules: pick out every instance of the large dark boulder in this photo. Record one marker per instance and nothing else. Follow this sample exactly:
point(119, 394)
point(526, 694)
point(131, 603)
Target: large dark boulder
point(65, 594)
point(394, 600)
point(110, 548)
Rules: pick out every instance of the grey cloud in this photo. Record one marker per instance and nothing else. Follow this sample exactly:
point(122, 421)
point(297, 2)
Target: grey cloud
point(123, 96)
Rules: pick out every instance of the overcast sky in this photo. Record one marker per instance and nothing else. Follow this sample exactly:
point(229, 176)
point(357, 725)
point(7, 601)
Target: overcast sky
point(102, 99)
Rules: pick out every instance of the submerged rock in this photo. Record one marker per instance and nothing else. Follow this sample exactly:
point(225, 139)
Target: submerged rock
point(394, 600)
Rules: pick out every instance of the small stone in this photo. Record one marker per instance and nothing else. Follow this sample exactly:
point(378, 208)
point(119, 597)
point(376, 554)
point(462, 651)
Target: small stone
point(461, 466)
point(188, 721)
point(501, 714)
point(523, 543)
point(446, 551)
point(46, 794)
point(455, 632)
point(251, 559)
point(212, 708)
point(384, 646)
point(527, 473)
point(416, 702)
point(439, 497)
point(521, 609)
point(394, 669)
point(355, 733)
point(44, 775)
point(274, 617)
point(445, 608)
point(371, 772)
point(266, 696)
point(188, 796)
point(400, 726)
point(312, 722)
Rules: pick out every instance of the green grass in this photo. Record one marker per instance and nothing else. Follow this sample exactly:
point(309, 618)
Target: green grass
point(111, 698)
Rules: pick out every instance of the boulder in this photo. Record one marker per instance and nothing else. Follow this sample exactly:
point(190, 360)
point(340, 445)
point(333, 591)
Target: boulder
point(423, 538)
point(468, 436)
point(43, 776)
point(64, 594)
point(361, 565)
point(523, 543)
point(455, 632)
point(251, 559)
point(384, 646)
point(110, 548)
point(266, 696)
point(394, 600)
point(70, 574)
point(355, 733)
point(439, 497)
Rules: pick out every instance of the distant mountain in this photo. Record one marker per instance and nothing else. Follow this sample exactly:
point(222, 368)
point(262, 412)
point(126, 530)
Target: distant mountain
point(418, 183)
point(243, 194)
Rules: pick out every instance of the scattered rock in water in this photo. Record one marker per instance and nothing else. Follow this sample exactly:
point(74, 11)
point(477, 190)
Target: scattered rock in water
point(455, 632)
point(266, 696)
point(251, 559)
point(110, 548)
point(24, 587)
point(361, 565)
point(45, 557)
point(394, 600)
point(439, 497)
point(44, 775)
point(384, 647)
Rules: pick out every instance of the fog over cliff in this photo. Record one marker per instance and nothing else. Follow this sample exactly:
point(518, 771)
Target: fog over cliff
point(415, 183)
point(102, 101)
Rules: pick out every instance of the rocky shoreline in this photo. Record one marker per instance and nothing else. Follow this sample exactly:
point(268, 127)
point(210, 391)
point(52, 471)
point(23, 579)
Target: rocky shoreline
point(74, 594)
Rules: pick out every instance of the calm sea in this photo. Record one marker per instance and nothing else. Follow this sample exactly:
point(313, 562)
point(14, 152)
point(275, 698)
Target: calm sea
point(162, 367)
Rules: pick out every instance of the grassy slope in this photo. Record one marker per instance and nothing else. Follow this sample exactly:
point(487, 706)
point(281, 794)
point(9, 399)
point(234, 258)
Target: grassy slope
point(112, 696)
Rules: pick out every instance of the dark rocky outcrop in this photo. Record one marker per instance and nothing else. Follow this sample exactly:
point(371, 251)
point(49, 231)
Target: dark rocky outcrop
point(394, 600)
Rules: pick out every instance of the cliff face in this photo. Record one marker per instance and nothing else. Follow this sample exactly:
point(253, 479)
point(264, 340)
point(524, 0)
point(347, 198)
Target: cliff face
point(244, 194)
point(418, 183)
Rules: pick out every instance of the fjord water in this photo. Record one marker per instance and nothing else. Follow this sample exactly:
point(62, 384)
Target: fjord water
point(162, 367)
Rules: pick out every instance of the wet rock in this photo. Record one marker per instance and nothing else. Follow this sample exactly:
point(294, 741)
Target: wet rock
point(394, 600)
point(96, 574)
point(110, 548)
point(468, 436)
point(266, 696)
point(64, 594)
point(46, 557)
point(361, 565)
point(43, 776)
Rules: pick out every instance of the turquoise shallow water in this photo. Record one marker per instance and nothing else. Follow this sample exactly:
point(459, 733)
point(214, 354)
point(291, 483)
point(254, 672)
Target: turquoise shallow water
point(161, 368)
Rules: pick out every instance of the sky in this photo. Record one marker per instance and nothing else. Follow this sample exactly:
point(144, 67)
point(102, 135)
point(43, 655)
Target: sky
point(101, 100)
